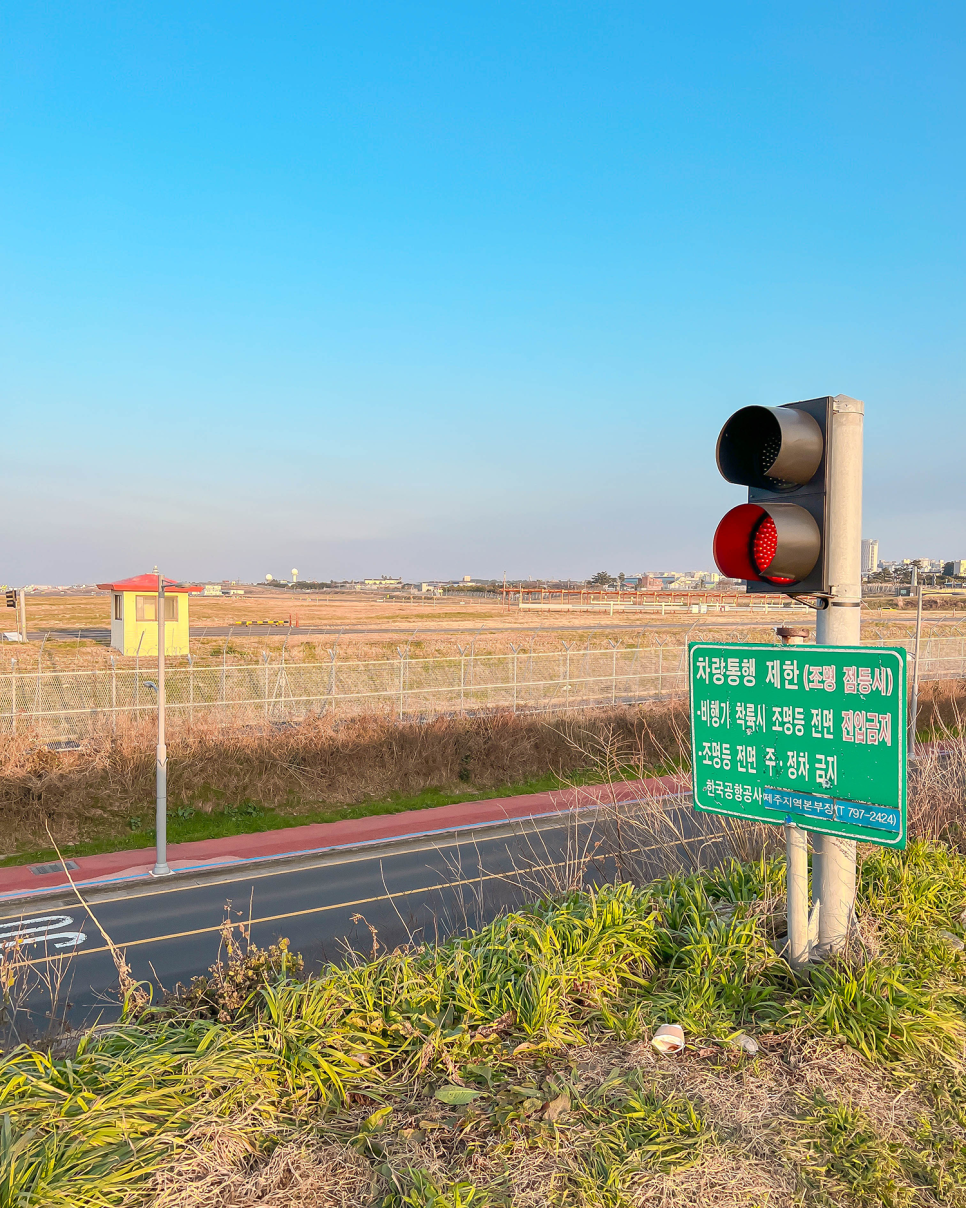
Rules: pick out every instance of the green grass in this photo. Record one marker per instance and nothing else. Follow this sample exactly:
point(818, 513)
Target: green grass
point(453, 1070)
point(190, 823)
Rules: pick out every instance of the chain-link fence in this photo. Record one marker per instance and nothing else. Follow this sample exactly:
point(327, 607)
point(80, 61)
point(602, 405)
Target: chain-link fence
point(51, 705)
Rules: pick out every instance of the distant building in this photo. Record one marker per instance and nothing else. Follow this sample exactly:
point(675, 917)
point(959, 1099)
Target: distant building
point(956, 568)
point(870, 556)
point(384, 582)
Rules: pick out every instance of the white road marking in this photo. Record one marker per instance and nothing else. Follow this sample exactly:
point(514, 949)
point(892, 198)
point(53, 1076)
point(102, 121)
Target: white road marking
point(41, 930)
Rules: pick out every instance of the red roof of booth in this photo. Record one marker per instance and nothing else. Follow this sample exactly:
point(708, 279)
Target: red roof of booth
point(148, 583)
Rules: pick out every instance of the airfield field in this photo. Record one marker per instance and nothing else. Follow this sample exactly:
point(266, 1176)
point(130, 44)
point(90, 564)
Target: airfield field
point(73, 632)
point(62, 616)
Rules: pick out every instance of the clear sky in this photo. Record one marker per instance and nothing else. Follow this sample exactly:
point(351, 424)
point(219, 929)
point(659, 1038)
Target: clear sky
point(445, 289)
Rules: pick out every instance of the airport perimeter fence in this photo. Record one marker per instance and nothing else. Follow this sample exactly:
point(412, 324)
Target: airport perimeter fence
point(59, 706)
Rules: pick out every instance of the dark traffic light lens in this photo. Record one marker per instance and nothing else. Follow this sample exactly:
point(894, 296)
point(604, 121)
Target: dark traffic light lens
point(772, 448)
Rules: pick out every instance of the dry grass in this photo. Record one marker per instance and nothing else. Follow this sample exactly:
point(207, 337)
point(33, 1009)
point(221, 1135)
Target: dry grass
point(93, 791)
point(76, 793)
point(221, 1169)
point(756, 1115)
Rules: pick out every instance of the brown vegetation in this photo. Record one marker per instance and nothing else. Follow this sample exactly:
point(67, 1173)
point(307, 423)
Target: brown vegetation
point(293, 768)
point(79, 793)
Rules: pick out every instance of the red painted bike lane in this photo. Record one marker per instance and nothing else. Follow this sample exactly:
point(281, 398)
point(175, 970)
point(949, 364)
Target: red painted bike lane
point(319, 837)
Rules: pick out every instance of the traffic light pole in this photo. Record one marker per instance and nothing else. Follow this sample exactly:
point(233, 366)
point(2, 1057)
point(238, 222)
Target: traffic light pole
point(833, 864)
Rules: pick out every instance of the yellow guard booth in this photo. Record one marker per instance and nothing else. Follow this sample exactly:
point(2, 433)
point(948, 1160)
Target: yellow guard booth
point(134, 615)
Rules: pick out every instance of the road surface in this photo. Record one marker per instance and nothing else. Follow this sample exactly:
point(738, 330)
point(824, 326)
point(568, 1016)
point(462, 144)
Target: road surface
point(409, 892)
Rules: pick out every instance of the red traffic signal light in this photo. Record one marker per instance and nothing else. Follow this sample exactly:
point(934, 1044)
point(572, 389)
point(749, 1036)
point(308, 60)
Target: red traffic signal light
point(777, 544)
point(775, 541)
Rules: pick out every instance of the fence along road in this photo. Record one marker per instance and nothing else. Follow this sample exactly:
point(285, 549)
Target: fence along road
point(63, 705)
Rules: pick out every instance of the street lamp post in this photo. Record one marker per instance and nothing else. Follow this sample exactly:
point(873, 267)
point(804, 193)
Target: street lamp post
point(161, 868)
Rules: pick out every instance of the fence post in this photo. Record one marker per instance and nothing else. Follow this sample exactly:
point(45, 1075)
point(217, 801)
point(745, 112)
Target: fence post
point(221, 686)
point(402, 662)
point(13, 695)
point(191, 690)
point(914, 701)
point(660, 670)
point(137, 678)
point(265, 661)
point(567, 647)
point(462, 650)
point(113, 696)
point(515, 649)
point(613, 675)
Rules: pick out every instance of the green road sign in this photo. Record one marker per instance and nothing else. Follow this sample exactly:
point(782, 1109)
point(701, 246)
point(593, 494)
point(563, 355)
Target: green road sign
point(813, 735)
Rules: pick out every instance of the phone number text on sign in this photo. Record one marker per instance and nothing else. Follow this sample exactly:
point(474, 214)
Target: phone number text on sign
point(826, 723)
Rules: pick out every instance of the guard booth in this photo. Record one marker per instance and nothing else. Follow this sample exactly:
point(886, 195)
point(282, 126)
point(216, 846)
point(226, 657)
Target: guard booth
point(134, 615)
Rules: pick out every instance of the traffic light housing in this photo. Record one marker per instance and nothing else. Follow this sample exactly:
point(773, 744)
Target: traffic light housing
point(776, 541)
point(11, 599)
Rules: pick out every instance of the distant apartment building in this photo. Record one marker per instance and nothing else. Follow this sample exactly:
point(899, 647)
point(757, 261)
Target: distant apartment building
point(870, 556)
point(956, 568)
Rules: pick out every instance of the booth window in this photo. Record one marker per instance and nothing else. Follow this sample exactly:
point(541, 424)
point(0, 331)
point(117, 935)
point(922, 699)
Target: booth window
point(147, 608)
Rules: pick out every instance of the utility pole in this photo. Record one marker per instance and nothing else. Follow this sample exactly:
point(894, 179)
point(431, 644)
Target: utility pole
point(161, 868)
point(22, 613)
point(840, 624)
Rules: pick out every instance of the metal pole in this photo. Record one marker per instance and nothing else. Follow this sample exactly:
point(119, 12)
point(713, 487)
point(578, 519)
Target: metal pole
point(914, 701)
point(796, 874)
point(796, 862)
point(113, 696)
point(22, 613)
point(161, 868)
point(13, 695)
point(840, 624)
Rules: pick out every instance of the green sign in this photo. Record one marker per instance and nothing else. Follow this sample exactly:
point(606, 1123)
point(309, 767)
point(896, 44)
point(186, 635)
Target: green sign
point(813, 735)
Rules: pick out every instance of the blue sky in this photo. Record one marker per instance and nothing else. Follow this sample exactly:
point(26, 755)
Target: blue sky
point(465, 289)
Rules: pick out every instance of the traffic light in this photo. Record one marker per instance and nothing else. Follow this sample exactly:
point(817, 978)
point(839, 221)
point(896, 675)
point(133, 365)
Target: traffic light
point(11, 599)
point(776, 541)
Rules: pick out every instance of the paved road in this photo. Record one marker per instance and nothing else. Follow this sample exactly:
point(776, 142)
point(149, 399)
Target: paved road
point(417, 890)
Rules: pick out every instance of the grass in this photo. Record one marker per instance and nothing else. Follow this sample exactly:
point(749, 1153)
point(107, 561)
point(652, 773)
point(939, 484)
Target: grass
point(511, 1065)
point(187, 823)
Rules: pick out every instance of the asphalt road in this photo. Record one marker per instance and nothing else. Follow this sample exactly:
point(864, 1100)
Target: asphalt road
point(412, 891)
